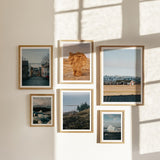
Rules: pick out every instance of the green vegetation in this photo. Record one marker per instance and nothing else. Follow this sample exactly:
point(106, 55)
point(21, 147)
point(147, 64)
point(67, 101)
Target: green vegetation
point(82, 107)
point(77, 120)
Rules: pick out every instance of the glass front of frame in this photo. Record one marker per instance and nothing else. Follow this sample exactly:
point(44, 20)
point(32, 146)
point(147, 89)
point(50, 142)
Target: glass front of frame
point(112, 127)
point(42, 110)
point(76, 61)
point(35, 67)
point(121, 79)
point(76, 111)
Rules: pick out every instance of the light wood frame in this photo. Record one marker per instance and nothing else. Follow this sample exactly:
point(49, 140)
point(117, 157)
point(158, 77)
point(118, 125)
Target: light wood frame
point(122, 126)
point(50, 47)
point(52, 110)
point(101, 76)
point(61, 62)
point(60, 115)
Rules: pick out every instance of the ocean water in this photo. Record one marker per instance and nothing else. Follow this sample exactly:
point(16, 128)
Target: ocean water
point(112, 136)
point(69, 108)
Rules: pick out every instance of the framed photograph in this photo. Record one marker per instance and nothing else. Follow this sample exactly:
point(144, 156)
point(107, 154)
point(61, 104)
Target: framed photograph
point(121, 75)
point(35, 66)
point(42, 110)
point(76, 111)
point(111, 126)
point(76, 61)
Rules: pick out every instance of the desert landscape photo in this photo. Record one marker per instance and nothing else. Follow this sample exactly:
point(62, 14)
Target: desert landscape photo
point(76, 61)
point(68, 71)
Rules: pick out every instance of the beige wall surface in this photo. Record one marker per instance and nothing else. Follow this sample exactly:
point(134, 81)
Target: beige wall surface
point(111, 22)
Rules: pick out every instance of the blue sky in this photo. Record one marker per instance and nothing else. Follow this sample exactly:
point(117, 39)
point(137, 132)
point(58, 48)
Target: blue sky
point(34, 55)
point(112, 119)
point(122, 62)
point(76, 98)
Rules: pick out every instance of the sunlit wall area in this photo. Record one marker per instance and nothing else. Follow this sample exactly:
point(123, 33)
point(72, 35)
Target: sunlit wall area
point(149, 123)
point(152, 64)
point(66, 26)
point(149, 17)
point(149, 114)
point(151, 109)
point(98, 20)
point(102, 23)
point(65, 5)
point(150, 138)
point(99, 3)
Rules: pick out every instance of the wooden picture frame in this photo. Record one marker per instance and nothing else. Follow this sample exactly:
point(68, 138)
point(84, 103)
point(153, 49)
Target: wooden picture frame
point(121, 75)
point(76, 61)
point(76, 111)
point(35, 67)
point(42, 110)
point(112, 126)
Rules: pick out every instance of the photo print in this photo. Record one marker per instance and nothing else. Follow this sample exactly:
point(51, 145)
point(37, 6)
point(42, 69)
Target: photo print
point(121, 75)
point(76, 64)
point(76, 112)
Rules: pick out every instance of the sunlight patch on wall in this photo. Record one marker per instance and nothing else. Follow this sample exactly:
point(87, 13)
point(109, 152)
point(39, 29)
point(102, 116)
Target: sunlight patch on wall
point(102, 24)
point(152, 64)
point(63, 5)
point(151, 109)
point(96, 3)
point(149, 17)
point(66, 26)
point(150, 138)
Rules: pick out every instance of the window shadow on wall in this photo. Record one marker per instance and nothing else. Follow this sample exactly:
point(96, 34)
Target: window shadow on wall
point(130, 35)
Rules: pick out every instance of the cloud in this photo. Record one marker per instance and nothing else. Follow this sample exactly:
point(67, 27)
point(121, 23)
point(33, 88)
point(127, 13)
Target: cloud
point(42, 101)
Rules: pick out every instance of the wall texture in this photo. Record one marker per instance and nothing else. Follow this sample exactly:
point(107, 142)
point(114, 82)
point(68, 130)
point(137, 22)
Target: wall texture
point(111, 22)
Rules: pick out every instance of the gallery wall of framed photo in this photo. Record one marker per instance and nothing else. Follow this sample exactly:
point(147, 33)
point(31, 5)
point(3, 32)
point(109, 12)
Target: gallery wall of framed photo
point(121, 83)
point(68, 103)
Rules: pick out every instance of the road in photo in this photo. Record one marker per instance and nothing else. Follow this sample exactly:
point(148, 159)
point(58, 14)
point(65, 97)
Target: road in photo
point(35, 67)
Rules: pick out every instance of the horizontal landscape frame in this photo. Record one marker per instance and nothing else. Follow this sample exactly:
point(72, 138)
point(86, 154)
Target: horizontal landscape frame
point(101, 101)
point(60, 51)
point(60, 122)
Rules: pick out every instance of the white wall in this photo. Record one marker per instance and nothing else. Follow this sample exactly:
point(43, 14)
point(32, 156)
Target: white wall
point(108, 22)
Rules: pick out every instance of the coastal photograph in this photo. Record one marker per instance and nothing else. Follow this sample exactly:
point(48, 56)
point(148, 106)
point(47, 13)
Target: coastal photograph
point(76, 61)
point(121, 75)
point(76, 111)
point(111, 126)
point(35, 67)
point(42, 110)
